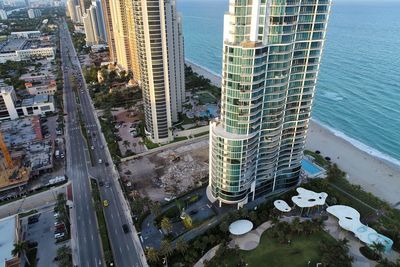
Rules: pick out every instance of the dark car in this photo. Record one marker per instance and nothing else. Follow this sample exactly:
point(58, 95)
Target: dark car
point(32, 244)
point(101, 183)
point(125, 227)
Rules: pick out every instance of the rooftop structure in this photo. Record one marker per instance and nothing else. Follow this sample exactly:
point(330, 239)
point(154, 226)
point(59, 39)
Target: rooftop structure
point(19, 132)
point(349, 219)
point(40, 156)
point(10, 234)
point(240, 227)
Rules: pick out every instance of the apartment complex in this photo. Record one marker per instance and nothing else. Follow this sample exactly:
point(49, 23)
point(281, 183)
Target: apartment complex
point(148, 40)
point(271, 58)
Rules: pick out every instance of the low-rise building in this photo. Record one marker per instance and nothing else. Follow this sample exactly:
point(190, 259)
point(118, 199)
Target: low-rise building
point(34, 13)
point(26, 45)
point(26, 34)
point(11, 108)
point(10, 229)
point(48, 87)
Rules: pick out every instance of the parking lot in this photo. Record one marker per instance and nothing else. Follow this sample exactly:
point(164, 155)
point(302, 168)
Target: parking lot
point(42, 232)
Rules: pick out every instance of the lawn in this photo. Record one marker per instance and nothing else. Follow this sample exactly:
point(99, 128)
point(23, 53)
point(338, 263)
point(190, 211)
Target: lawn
point(272, 253)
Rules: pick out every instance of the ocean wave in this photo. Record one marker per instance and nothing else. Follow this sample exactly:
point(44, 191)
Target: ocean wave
point(331, 95)
point(360, 145)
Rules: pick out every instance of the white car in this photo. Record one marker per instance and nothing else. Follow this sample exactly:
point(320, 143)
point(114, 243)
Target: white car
point(59, 235)
point(100, 161)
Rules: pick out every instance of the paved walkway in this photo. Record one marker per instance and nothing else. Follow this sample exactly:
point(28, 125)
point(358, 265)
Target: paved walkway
point(250, 240)
point(208, 256)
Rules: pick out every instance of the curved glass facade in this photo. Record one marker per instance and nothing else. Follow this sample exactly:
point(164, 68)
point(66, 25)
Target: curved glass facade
point(272, 51)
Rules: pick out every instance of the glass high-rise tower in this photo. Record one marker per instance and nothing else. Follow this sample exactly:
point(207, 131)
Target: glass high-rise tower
point(271, 59)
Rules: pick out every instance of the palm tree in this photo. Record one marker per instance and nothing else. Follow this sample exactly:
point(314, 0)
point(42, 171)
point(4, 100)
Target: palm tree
point(378, 248)
point(166, 225)
point(297, 226)
point(152, 255)
point(156, 209)
point(166, 248)
point(21, 248)
point(182, 245)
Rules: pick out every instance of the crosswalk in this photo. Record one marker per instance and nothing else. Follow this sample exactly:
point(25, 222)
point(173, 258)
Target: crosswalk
point(87, 127)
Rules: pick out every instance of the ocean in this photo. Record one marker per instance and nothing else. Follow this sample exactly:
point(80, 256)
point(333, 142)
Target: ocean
point(358, 92)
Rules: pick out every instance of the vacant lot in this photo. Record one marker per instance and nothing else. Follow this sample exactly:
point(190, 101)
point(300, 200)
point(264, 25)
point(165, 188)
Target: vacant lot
point(167, 173)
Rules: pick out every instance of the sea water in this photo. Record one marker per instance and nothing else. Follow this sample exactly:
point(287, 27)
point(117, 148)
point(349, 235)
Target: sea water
point(358, 92)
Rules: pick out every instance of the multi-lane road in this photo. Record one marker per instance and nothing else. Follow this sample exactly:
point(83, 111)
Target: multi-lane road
point(125, 246)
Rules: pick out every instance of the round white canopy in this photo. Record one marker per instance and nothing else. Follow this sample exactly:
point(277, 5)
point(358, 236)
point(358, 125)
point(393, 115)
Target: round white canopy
point(240, 227)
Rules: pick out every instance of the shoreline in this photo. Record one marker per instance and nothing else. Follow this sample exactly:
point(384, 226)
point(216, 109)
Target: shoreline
point(374, 171)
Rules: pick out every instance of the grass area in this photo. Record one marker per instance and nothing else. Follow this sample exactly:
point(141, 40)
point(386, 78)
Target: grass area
point(270, 252)
point(101, 221)
point(149, 144)
point(201, 134)
point(25, 214)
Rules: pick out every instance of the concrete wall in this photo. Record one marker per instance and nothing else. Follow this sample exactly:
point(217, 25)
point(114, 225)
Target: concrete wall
point(186, 133)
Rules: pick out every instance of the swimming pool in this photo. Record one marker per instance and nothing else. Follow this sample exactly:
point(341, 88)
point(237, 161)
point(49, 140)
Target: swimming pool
point(310, 168)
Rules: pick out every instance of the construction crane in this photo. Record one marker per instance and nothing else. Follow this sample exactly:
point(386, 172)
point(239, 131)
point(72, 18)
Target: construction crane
point(6, 153)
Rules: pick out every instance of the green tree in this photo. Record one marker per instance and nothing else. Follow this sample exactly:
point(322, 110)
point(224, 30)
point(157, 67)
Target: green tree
point(181, 245)
point(20, 249)
point(378, 248)
point(166, 225)
point(166, 248)
point(152, 255)
point(336, 254)
point(155, 208)
point(64, 255)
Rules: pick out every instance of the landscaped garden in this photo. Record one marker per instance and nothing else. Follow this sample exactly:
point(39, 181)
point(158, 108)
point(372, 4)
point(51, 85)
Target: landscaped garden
point(296, 244)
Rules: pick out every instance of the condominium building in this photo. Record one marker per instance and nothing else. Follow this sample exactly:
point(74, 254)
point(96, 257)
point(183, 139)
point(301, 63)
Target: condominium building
point(161, 60)
point(3, 14)
point(71, 10)
point(271, 59)
point(100, 21)
point(89, 30)
point(106, 7)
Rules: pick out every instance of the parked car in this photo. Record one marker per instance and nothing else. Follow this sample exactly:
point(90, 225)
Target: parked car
point(59, 235)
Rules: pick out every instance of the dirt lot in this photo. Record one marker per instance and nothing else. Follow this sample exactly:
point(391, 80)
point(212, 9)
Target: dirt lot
point(168, 173)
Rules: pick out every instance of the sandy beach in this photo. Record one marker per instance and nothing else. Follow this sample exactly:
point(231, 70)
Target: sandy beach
point(373, 174)
point(215, 79)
